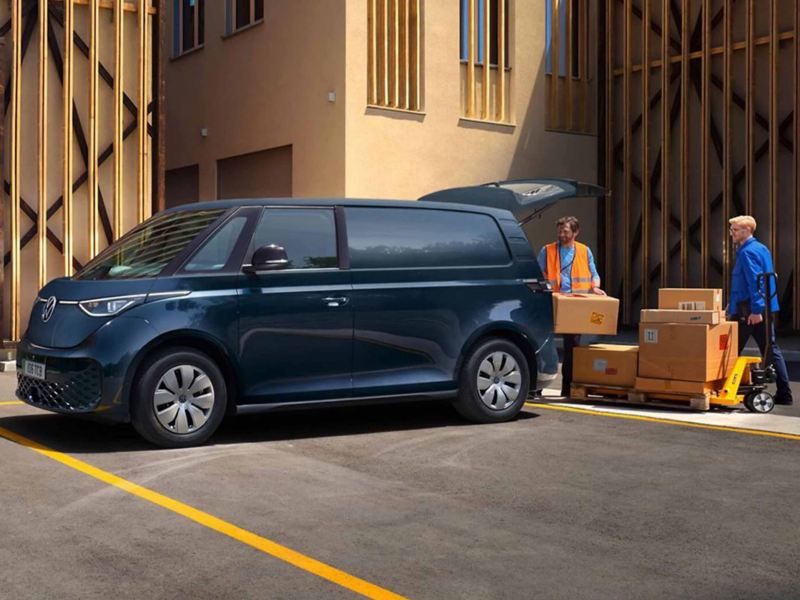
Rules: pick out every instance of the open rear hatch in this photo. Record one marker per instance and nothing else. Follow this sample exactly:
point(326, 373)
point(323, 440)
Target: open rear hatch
point(524, 198)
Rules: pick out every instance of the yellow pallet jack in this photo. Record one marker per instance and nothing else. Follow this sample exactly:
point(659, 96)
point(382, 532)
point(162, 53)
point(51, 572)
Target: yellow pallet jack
point(747, 382)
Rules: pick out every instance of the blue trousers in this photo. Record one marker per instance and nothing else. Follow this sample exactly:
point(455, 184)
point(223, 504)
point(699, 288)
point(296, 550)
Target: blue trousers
point(759, 332)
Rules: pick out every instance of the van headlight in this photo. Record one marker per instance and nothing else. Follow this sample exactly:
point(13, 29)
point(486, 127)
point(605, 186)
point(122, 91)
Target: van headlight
point(109, 307)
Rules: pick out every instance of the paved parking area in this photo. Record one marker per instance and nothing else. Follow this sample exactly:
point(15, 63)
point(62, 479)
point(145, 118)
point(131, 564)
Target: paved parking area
point(403, 499)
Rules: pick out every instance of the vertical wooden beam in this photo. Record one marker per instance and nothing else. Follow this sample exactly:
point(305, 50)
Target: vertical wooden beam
point(396, 65)
point(568, 33)
point(584, 67)
point(160, 164)
point(610, 165)
point(16, 110)
point(727, 165)
point(628, 161)
point(705, 146)
point(386, 98)
point(92, 182)
point(119, 126)
point(749, 105)
point(372, 32)
point(774, 134)
point(685, 39)
point(665, 141)
point(646, 154)
point(418, 55)
point(4, 65)
point(501, 61)
point(41, 217)
point(141, 181)
point(555, 78)
point(407, 54)
point(471, 59)
point(487, 60)
point(796, 278)
point(67, 106)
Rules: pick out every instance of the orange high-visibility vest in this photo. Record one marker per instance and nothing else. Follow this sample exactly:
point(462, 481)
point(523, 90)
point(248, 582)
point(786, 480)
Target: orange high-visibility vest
point(580, 272)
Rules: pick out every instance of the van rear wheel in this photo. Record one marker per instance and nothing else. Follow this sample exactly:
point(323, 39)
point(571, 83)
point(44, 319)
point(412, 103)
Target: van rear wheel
point(493, 383)
point(179, 398)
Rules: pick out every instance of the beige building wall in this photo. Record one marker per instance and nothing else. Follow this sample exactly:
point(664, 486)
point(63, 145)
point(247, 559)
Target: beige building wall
point(393, 154)
point(261, 88)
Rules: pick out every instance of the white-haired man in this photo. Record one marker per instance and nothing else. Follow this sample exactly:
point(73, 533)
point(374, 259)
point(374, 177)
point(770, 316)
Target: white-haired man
point(747, 297)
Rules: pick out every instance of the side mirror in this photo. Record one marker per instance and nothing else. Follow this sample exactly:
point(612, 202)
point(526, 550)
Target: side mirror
point(268, 258)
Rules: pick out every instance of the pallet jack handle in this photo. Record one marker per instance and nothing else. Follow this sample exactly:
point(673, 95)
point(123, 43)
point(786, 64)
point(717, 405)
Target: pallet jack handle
point(765, 289)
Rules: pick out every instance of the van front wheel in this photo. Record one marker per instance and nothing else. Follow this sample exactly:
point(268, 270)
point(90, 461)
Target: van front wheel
point(494, 382)
point(179, 398)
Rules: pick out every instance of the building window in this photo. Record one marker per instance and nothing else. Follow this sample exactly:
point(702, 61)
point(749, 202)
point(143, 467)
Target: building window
point(242, 13)
point(481, 29)
point(189, 26)
point(484, 31)
point(394, 55)
point(567, 53)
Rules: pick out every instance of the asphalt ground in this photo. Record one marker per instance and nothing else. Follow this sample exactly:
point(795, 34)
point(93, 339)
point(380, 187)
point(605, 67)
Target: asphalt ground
point(404, 499)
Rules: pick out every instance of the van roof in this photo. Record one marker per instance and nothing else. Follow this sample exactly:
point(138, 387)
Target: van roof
point(305, 202)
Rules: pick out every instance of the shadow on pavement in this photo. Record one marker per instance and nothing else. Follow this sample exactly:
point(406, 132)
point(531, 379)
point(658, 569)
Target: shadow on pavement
point(76, 435)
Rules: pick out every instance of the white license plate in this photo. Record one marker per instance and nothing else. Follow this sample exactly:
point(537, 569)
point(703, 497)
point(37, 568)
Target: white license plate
point(34, 369)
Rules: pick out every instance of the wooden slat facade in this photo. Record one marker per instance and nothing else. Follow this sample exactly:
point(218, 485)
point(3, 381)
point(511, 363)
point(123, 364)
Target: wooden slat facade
point(55, 217)
point(715, 136)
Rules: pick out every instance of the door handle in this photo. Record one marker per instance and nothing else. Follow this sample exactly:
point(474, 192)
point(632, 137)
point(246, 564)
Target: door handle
point(336, 301)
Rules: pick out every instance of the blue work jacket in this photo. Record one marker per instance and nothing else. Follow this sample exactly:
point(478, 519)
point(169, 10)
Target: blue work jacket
point(752, 258)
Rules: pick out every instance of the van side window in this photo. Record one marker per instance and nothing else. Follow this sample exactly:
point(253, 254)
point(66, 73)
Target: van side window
point(414, 238)
point(214, 254)
point(307, 234)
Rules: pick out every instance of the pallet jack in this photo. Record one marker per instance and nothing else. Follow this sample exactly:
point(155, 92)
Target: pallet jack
point(747, 382)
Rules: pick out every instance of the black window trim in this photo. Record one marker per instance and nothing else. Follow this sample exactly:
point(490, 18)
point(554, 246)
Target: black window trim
point(295, 207)
point(506, 265)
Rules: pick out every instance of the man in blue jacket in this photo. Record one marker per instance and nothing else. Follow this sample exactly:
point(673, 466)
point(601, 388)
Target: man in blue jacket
point(747, 301)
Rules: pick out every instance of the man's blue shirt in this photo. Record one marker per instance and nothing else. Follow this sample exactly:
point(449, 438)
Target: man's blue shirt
point(566, 256)
point(752, 258)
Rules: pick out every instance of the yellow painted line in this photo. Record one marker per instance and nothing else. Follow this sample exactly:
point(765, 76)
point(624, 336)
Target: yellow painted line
point(11, 402)
point(601, 413)
point(266, 546)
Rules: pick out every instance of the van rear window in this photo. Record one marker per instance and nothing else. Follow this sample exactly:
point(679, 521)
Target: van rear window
point(147, 249)
point(416, 238)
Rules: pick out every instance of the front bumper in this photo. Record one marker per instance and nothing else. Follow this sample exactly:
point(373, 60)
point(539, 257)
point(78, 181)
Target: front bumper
point(92, 377)
point(72, 385)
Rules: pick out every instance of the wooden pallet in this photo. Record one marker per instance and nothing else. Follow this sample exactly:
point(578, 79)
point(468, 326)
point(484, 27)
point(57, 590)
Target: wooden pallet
point(630, 396)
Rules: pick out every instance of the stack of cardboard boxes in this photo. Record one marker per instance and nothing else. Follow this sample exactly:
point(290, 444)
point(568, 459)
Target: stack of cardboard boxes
point(685, 347)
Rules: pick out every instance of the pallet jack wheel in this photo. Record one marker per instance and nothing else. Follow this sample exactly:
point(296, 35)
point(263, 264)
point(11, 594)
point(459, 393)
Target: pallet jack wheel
point(759, 402)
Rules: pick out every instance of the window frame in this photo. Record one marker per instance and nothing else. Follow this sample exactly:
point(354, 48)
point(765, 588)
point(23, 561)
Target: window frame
point(580, 39)
point(340, 240)
point(230, 17)
point(177, 28)
point(234, 259)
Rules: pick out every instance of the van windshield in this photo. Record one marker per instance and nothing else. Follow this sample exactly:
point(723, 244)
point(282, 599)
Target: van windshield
point(146, 250)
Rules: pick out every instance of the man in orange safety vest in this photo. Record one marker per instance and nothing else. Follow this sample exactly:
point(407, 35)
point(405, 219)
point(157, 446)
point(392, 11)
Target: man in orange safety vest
point(569, 267)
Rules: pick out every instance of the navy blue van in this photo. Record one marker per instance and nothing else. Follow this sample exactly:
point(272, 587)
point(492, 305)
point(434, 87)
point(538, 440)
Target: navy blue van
point(234, 307)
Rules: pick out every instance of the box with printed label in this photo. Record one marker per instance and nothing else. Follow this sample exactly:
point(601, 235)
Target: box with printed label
point(660, 315)
point(605, 364)
point(585, 313)
point(687, 351)
point(690, 298)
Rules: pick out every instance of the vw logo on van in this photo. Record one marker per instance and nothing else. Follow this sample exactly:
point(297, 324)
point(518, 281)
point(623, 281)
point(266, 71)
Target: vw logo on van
point(49, 308)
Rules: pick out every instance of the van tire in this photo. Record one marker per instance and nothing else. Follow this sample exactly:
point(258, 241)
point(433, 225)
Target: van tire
point(491, 373)
point(202, 400)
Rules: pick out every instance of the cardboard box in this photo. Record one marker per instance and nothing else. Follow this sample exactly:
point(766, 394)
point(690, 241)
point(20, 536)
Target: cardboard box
point(585, 313)
point(674, 386)
point(686, 351)
point(605, 364)
point(661, 315)
point(690, 298)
